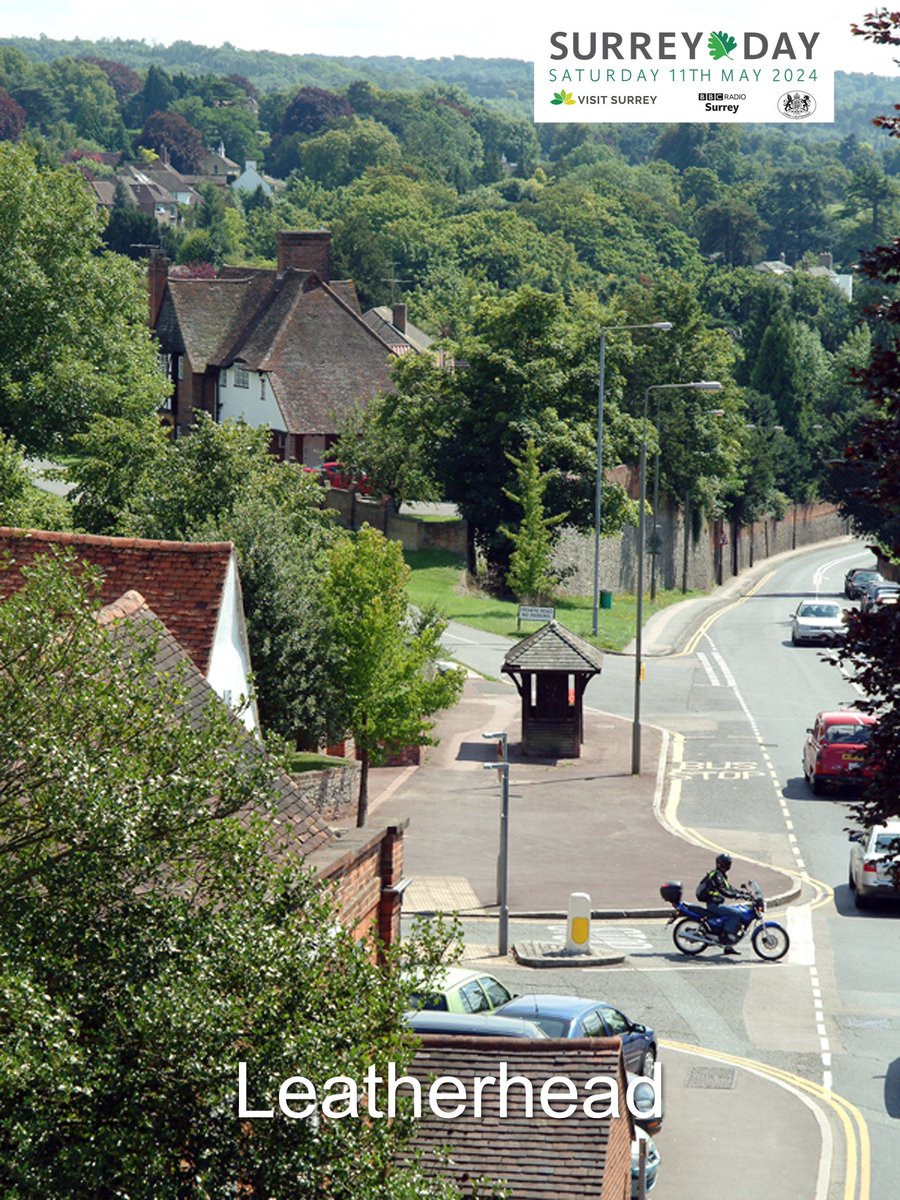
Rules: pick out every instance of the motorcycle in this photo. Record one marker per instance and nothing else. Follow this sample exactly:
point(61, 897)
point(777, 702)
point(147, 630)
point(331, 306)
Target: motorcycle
point(698, 929)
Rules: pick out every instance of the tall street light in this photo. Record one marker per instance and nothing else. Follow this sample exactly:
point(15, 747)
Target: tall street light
point(703, 385)
point(601, 392)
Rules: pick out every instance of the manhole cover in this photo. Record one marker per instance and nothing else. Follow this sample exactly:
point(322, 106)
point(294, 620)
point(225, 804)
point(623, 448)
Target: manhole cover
point(720, 1078)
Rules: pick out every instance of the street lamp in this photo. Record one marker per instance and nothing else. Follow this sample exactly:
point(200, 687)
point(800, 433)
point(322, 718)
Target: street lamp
point(601, 391)
point(503, 858)
point(703, 385)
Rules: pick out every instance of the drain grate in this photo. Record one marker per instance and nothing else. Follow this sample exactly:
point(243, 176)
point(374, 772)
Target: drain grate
point(714, 1078)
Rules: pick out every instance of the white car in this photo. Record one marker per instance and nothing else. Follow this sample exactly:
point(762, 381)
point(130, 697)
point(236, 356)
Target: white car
point(820, 621)
point(872, 854)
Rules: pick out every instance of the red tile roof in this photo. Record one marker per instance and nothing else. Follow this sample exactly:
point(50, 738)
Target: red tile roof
point(294, 825)
point(183, 582)
point(537, 1157)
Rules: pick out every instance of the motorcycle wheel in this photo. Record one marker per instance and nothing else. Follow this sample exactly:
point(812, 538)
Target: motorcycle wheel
point(687, 925)
point(771, 942)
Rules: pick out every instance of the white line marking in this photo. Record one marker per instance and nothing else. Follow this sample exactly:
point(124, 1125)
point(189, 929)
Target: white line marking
point(707, 667)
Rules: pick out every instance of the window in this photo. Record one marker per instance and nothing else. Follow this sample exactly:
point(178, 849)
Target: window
point(592, 1026)
point(223, 378)
point(262, 387)
point(497, 993)
point(616, 1023)
point(473, 998)
point(241, 376)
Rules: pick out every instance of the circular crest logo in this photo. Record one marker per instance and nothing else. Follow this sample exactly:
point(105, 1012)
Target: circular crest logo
point(796, 106)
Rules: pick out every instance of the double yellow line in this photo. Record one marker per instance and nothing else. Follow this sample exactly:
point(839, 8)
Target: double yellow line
point(694, 641)
point(858, 1166)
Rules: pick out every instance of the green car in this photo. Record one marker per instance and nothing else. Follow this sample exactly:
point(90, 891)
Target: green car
point(461, 991)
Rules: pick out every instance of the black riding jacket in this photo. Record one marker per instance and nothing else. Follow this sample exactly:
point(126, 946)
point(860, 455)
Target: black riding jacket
point(719, 887)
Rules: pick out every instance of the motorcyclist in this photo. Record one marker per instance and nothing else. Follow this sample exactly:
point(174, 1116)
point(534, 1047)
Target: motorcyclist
point(719, 889)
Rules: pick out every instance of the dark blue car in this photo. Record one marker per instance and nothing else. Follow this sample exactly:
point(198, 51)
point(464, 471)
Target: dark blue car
point(575, 1017)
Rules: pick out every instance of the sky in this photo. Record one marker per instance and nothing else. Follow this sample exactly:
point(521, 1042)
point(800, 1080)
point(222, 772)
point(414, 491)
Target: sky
point(420, 28)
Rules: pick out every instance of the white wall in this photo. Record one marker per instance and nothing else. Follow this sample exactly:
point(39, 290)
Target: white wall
point(229, 662)
point(245, 403)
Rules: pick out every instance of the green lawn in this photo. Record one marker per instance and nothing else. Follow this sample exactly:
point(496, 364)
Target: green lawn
point(305, 760)
point(438, 578)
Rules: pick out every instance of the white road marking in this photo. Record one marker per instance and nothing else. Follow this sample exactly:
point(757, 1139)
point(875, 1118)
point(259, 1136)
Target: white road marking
point(707, 667)
point(800, 931)
point(834, 562)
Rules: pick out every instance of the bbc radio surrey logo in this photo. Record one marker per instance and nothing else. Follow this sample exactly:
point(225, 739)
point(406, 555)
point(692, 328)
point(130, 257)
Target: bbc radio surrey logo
point(659, 74)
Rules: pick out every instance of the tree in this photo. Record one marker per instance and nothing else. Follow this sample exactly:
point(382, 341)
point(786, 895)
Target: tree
point(74, 338)
point(12, 118)
point(175, 139)
point(384, 652)
point(530, 574)
point(151, 940)
point(311, 110)
point(22, 504)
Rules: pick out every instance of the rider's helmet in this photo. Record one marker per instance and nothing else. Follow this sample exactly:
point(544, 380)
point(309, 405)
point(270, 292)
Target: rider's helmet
point(723, 862)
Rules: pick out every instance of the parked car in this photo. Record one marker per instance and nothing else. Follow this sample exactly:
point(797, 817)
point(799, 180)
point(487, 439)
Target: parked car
point(457, 990)
point(820, 621)
point(576, 1016)
point(877, 594)
point(651, 1163)
point(857, 578)
point(424, 1020)
point(836, 750)
point(337, 475)
point(872, 854)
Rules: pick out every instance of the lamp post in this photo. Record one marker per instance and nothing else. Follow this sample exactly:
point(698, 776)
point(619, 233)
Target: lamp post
point(598, 501)
point(703, 385)
point(503, 857)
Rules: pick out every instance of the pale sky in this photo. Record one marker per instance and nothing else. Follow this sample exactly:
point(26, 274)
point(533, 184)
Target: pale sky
point(424, 28)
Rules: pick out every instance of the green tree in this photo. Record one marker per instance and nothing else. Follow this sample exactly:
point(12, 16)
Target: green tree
point(152, 938)
point(22, 504)
point(384, 652)
point(530, 575)
point(74, 338)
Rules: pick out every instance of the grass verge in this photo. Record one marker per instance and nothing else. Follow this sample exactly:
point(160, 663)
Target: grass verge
point(439, 579)
point(306, 760)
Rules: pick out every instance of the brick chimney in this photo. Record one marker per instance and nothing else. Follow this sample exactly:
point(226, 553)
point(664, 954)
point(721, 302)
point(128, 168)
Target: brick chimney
point(157, 278)
point(825, 260)
point(398, 317)
point(306, 251)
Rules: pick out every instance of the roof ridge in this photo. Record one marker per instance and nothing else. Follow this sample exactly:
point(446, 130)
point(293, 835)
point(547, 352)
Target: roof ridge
point(120, 543)
point(126, 605)
point(228, 350)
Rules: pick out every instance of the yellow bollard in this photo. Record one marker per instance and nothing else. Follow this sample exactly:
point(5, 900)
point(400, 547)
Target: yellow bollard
point(578, 925)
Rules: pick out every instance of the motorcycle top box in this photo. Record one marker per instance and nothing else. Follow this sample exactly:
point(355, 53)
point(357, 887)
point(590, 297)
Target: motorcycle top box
point(671, 892)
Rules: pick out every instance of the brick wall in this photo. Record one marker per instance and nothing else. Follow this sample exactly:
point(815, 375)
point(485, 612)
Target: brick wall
point(364, 869)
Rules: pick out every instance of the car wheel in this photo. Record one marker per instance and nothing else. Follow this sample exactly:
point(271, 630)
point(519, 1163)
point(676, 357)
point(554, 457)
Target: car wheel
point(851, 882)
point(794, 641)
point(860, 901)
point(648, 1061)
point(818, 787)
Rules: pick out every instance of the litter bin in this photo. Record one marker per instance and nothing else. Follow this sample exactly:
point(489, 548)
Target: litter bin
point(606, 599)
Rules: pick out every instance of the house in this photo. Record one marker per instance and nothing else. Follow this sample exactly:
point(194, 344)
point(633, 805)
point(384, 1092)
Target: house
point(286, 348)
point(249, 180)
point(157, 190)
point(535, 1156)
point(194, 587)
point(363, 867)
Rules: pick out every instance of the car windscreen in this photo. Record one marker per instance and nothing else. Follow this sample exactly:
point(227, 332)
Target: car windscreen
point(555, 1027)
point(819, 610)
point(855, 735)
point(887, 843)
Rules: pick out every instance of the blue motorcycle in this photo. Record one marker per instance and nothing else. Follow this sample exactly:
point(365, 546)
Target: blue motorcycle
point(699, 929)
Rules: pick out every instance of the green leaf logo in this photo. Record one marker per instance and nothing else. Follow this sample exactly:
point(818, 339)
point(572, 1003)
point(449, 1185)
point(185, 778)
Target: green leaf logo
point(562, 97)
point(721, 45)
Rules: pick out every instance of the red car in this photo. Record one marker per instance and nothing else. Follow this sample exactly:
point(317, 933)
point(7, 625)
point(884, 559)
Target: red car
point(837, 750)
point(337, 475)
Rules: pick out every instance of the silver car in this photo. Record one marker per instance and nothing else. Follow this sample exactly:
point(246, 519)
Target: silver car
point(872, 855)
point(820, 621)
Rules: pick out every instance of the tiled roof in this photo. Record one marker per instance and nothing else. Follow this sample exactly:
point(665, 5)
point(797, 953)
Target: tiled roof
point(537, 1157)
point(182, 581)
point(295, 825)
point(553, 648)
point(321, 357)
point(379, 319)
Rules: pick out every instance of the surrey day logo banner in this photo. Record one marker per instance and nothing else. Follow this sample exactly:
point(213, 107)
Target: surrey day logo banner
point(733, 71)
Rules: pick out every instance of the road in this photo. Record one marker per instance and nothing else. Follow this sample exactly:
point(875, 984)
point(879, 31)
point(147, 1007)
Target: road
point(825, 1022)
